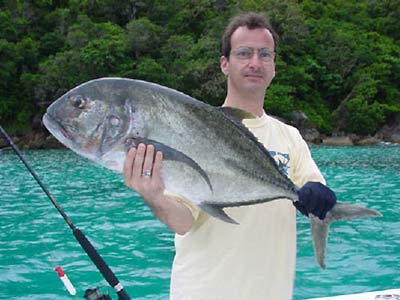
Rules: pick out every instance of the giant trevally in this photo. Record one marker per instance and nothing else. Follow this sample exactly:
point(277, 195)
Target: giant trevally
point(205, 148)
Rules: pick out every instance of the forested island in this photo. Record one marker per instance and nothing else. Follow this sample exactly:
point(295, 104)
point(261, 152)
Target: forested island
point(338, 61)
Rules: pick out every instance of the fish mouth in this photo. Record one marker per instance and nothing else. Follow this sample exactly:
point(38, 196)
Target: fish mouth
point(57, 129)
point(65, 134)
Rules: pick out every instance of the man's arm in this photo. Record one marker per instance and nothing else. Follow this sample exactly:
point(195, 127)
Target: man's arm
point(314, 196)
point(142, 172)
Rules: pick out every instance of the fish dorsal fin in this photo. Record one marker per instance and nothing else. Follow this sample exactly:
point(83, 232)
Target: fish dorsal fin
point(236, 114)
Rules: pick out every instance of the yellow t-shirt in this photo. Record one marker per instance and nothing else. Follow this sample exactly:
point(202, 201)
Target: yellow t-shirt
point(256, 259)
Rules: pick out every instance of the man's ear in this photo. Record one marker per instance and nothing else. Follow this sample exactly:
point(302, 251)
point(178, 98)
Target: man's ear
point(224, 64)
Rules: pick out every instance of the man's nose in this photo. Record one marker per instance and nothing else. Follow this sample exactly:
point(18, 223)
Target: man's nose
point(255, 59)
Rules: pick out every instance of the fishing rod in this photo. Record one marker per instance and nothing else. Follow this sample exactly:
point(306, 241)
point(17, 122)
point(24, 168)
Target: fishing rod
point(99, 262)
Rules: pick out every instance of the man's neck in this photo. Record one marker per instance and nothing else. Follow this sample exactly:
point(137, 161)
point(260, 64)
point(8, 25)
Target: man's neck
point(247, 103)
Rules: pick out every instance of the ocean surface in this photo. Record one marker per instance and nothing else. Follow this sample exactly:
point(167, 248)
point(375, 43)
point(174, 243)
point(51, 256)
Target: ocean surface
point(363, 255)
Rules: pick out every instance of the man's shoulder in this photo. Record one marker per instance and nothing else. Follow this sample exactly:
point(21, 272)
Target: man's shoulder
point(281, 123)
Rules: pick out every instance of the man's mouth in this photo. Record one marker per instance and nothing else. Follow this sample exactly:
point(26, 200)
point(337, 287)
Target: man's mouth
point(253, 75)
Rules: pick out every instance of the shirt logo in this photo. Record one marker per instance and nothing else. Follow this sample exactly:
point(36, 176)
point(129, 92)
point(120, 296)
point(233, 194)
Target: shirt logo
point(282, 160)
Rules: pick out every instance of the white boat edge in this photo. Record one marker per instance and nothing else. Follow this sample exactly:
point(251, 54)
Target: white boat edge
point(363, 296)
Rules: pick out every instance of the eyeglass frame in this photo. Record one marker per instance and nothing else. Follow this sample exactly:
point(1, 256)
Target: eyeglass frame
point(270, 58)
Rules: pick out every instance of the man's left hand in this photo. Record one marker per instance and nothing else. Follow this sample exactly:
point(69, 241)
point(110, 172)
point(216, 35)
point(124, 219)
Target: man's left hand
point(315, 198)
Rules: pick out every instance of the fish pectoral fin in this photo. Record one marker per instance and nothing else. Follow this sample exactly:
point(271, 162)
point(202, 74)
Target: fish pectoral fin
point(176, 155)
point(217, 212)
point(320, 228)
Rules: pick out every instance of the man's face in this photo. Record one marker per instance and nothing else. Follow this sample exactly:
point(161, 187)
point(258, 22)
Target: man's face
point(253, 74)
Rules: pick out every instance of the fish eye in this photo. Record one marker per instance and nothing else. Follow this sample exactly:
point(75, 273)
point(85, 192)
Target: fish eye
point(114, 120)
point(79, 102)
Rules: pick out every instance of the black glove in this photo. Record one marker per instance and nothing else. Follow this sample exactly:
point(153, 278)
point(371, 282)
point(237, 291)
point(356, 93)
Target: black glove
point(315, 198)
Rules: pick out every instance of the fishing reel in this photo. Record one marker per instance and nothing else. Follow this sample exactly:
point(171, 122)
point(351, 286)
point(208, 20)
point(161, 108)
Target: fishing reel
point(94, 294)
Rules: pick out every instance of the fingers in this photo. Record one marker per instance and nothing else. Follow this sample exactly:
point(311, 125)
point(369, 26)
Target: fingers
point(148, 162)
point(157, 164)
point(137, 168)
point(128, 165)
point(141, 165)
point(133, 166)
point(142, 173)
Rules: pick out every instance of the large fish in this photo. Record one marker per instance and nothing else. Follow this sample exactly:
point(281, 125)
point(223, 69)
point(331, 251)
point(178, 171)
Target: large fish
point(206, 149)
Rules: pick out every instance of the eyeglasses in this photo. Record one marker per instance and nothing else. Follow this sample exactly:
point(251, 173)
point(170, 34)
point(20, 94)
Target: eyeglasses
point(244, 53)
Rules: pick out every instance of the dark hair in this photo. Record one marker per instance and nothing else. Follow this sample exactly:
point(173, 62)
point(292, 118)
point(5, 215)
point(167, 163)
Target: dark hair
point(252, 21)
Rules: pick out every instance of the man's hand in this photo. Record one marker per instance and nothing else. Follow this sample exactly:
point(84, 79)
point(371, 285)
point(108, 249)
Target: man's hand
point(142, 172)
point(315, 198)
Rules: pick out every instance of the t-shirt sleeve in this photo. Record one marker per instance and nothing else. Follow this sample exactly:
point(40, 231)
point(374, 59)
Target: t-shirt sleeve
point(305, 168)
point(194, 209)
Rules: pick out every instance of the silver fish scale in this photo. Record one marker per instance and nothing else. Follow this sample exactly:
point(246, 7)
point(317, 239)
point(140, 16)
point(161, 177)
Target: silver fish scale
point(231, 156)
point(210, 157)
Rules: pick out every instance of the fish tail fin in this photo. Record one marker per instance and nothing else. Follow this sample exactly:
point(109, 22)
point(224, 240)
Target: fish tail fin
point(217, 212)
point(320, 228)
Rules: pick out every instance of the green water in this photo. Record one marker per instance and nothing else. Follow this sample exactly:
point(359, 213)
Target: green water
point(363, 255)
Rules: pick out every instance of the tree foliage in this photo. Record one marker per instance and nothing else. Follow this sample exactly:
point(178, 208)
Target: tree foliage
point(338, 60)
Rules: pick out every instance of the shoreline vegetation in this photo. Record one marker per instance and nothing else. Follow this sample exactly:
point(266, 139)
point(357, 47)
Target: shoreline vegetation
point(338, 61)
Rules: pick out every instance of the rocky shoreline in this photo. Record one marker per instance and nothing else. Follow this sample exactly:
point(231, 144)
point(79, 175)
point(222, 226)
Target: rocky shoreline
point(389, 133)
point(40, 138)
point(43, 140)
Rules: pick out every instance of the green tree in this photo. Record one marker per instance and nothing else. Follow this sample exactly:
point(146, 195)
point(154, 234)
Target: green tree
point(364, 118)
point(337, 60)
point(143, 36)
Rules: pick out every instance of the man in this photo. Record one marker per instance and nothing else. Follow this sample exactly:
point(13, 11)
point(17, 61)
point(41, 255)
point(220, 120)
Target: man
point(256, 259)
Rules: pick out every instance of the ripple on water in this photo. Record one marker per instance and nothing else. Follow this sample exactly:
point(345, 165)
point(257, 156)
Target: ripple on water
point(363, 255)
